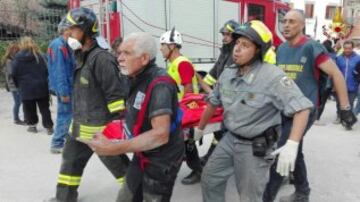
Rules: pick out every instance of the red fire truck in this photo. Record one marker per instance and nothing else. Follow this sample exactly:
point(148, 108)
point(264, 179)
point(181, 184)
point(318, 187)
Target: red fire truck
point(199, 21)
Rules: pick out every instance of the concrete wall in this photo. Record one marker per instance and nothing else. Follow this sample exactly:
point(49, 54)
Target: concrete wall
point(352, 15)
point(319, 13)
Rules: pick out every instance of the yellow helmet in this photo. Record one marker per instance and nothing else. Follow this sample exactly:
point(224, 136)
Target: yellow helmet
point(258, 33)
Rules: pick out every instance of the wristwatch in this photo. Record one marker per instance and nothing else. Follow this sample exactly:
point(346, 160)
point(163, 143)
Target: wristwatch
point(347, 107)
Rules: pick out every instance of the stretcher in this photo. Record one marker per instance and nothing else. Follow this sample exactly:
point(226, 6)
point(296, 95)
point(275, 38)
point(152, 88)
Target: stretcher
point(192, 107)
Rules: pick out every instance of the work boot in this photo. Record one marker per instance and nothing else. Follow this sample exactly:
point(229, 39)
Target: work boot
point(295, 197)
point(50, 131)
point(56, 150)
point(32, 129)
point(19, 122)
point(192, 178)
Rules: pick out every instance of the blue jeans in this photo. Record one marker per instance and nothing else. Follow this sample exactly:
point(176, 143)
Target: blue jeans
point(357, 107)
point(17, 103)
point(300, 174)
point(63, 120)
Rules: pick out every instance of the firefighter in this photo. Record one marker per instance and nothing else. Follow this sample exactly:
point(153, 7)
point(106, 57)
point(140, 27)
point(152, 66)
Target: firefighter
point(253, 94)
point(225, 60)
point(98, 98)
point(303, 60)
point(155, 138)
point(183, 72)
point(180, 68)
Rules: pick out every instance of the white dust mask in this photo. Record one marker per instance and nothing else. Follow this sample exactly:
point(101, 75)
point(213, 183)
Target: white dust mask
point(74, 43)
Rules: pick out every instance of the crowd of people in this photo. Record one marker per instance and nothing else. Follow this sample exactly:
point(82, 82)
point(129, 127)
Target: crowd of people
point(347, 59)
point(269, 102)
point(26, 75)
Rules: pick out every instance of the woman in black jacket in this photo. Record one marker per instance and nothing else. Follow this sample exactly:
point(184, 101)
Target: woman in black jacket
point(31, 77)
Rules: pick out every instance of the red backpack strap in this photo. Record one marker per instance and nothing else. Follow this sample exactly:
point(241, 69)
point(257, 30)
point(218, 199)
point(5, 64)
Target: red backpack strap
point(141, 115)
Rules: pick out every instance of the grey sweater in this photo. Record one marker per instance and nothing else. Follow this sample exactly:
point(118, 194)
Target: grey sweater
point(8, 76)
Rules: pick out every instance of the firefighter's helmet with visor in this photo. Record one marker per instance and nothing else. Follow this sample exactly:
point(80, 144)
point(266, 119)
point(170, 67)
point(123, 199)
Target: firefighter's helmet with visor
point(83, 18)
point(257, 32)
point(229, 27)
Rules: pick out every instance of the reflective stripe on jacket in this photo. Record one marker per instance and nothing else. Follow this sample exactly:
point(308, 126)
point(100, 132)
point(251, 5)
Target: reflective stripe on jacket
point(98, 93)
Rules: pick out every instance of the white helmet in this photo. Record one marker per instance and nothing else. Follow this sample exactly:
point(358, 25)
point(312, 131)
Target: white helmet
point(171, 37)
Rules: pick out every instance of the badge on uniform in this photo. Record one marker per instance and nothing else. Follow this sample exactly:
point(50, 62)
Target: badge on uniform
point(251, 96)
point(139, 99)
point(251, 78)
point(84, 81)
point(303, 59)
point(286, 82)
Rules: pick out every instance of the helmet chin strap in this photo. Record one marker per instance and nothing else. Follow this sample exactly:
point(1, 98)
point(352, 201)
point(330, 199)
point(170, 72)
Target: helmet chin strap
point(82, 41)
point(170, 53)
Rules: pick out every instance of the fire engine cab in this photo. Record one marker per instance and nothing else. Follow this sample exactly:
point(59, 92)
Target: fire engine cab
point(198, 21)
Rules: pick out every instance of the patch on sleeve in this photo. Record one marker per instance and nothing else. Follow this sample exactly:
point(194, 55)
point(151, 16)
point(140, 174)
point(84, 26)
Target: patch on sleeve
point(139, 99)
point(303, 59)
point(84, 81)
point(286, 82)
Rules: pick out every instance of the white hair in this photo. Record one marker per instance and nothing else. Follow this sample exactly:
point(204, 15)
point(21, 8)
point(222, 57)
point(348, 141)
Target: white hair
point(143, 43)
point(301, 14)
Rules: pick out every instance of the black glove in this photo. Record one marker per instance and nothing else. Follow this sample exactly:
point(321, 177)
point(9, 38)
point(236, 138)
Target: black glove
point(347, 118)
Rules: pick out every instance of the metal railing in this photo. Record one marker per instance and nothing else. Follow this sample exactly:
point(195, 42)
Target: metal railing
point(41, 24)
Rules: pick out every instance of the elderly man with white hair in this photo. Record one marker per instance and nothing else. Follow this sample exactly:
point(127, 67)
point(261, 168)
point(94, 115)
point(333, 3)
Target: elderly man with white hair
point(151, 125)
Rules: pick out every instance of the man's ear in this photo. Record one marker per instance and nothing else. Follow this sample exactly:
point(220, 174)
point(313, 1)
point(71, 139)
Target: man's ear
point(145, 59)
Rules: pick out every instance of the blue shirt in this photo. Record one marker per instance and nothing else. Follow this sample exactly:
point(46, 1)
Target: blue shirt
point(347, 66)
point(61, 63)
point(299, 63)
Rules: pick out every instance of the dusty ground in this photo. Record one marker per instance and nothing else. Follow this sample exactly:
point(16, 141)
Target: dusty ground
point(28, 171)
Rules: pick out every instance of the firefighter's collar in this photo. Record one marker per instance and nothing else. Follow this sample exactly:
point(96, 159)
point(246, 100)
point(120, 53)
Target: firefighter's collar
point(143, 72)
point(249, 77)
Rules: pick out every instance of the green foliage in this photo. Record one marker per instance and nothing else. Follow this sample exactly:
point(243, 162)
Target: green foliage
point(3, 45)
point(43, 45)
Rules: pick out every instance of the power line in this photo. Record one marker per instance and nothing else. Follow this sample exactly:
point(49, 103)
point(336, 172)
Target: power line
point(163, 29)
point(156, 36)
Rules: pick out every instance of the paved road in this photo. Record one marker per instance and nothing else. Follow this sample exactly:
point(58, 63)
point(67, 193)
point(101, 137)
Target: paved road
point(28, 171)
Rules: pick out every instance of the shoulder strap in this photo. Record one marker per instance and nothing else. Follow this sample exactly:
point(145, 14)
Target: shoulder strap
point(144, 105)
